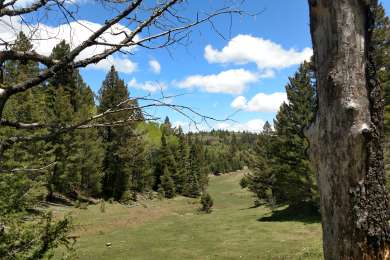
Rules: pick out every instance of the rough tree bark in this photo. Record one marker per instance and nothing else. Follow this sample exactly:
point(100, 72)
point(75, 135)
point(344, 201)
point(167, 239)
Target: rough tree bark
point(347, 135)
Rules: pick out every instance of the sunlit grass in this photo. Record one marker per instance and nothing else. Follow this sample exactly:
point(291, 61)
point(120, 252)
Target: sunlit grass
point(173, 229)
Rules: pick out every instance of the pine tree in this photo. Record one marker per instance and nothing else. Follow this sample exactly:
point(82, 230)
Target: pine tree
point(141, 178)
point(207, 203)
point(117, 163)
point(26, 231)
point(89, 146)
point(381, 39)
point(182, 162)
point(166, 168)
point(281, 172)
point(192, 187)
point(260, 180)
point(27, 107)
point(78, 154)
point(294, 179)
point(167, 184)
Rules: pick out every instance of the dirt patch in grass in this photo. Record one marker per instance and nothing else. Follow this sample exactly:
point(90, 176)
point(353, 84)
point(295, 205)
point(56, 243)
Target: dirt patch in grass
point(118, 217)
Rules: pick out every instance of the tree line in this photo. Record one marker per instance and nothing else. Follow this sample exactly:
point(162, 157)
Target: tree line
point(114, 161)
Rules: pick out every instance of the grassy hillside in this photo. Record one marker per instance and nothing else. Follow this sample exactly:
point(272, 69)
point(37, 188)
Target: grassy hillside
point(173, 229)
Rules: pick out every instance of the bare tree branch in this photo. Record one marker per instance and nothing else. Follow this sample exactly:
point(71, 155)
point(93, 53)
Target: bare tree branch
point(15, 12)
point(26, 56)
point(28, 170)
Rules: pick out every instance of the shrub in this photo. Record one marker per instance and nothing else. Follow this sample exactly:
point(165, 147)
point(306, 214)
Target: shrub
point(244, 182)
point(102, 206)
point(207, 203)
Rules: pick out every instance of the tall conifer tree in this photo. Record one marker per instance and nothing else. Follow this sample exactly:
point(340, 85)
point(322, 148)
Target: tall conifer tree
point(78, 154)
point(122, 149)
point(282, 172)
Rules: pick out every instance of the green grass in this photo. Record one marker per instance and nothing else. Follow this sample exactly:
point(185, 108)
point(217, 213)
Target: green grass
point(173, 229)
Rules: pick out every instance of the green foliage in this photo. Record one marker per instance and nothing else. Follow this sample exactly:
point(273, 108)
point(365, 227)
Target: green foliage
point(78, 154)
point(124, 159)
point(191, 187)
point(224, 151)
point(27, 107)
point(207, 203)
point(167, 185)
point(281, 170)
point(26, 230)
point(381, 38)
point(192, 184)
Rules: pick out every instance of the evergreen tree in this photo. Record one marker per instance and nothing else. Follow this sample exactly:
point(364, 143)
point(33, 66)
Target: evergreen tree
point(167, 184)
point(192, 186)
point(166, 169)
point(141, 178)
point(26, 231)
point(27, 107)
point(294, 181)
point(282, 173)
point(260, 181)
point(207, 203)
point(380, 41)
point(90, 150)
point(78, 154)
point(117, 163)
point(182, 162)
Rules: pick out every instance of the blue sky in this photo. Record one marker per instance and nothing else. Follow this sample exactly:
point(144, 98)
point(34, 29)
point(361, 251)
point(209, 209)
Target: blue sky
point(242, 74)
point(283, 22)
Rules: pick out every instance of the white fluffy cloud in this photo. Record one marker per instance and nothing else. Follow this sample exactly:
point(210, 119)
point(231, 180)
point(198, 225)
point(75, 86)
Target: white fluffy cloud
point(150, 86)
point(254, 126)
point(155, 66)
point(121, 64)
point(244, 49)
point(73, 33)
point(233, 81)
point(260, 102)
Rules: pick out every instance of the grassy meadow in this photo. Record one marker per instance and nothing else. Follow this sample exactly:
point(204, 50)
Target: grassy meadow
point(173, 229)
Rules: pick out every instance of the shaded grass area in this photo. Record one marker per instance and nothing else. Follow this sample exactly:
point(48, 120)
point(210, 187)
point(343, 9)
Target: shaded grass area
point(173, 229)
point(303, 213)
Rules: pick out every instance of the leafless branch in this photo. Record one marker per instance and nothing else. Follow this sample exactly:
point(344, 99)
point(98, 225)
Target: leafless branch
point(162, 26)
point(26, 56)
point(19, 11)
point(28, 170)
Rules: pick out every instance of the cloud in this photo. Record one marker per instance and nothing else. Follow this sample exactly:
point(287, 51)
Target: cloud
point(74, 33)
point(150, 86)
point(239, 102)
point(233, 81)
point(155, 66)
point(254, 126)
point(261, 102)
point(121, 64)
point(244, 49)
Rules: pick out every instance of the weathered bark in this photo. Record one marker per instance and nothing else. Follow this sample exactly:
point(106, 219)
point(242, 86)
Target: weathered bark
point(347, 135)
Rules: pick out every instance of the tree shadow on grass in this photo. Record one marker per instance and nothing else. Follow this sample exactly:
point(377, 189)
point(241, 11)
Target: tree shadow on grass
point(307, 214)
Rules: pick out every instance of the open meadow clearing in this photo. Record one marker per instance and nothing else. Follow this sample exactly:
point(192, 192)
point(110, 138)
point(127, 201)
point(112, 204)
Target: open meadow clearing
point(173, 229)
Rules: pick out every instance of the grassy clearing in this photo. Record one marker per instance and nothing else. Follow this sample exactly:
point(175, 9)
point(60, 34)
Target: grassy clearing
point(173, 229)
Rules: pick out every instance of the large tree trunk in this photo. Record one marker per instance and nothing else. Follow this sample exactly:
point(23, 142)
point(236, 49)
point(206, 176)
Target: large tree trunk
point(347, 136)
